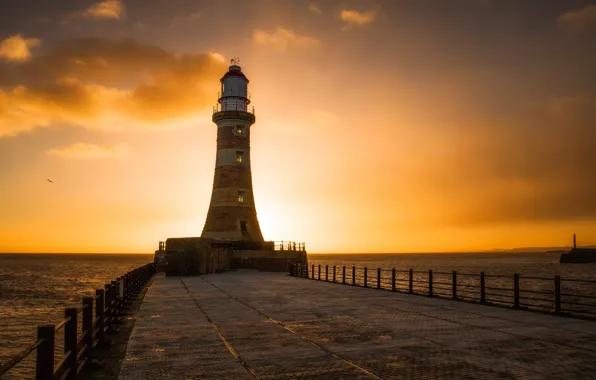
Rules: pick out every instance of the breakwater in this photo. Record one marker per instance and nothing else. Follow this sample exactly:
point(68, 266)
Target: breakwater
point(257, 325)
point(561, 296)
point(84, 329)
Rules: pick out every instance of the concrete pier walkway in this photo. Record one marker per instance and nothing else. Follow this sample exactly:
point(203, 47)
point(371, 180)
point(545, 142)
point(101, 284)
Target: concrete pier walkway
point(253, 325)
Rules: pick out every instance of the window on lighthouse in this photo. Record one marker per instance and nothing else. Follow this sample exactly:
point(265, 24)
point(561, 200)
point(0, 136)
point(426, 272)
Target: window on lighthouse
point(239, 156)
point(239, 130)
point(241, 197)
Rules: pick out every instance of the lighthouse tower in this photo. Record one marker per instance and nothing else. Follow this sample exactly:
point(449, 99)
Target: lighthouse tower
point(232, 215)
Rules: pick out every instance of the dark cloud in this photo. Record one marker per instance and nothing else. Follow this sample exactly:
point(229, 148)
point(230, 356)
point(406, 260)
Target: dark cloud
point(80, 79)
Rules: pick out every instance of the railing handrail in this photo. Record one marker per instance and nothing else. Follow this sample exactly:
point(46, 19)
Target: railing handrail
point(117, 293)
point(284, 245)
point(234, 107)
point(472, 288)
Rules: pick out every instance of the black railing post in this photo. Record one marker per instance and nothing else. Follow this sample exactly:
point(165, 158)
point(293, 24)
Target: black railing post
point(334, 273)
point(327, 273)
point(393, 280)
point(411, 282)
point(343, 275)
point(312, 272)
point(116, 299)
point(482, 288)
point(515, 290)
point(454, 285)
point(365, 277)
point(354, 275)
point(558, 294)
point(107, 301)
point(71, 342)
point(319, 272)
point(306, 269)
point(430, 283)
point(378, 278)
point(44, 367)
point(125, 287)
point(100, 315)
point(88, 328)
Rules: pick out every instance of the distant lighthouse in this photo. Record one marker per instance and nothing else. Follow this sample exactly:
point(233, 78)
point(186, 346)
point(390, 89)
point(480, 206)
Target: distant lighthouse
point(232, 214)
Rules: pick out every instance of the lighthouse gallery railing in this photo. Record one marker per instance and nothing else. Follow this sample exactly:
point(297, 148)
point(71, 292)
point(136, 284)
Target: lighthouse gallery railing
point(234, 107)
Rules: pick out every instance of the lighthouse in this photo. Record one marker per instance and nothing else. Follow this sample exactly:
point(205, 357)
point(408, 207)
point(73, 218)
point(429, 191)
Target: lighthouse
point(231, 237)
point(232, 215)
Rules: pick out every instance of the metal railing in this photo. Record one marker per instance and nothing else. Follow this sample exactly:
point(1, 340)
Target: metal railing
point(234, 107)
point(555, 295)
point(289, 246)
point(109, 303)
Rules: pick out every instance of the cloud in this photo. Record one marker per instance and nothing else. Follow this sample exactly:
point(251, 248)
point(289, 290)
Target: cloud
point(314, 8)
point(18, 49)
point(579, 20)
point(283, 39)
point(353, 18)
point(84, 151)
point(106, 85)
point(139, 25)
point(112, 9)
point(539, 167)
point(185, 20)
point(325, 118)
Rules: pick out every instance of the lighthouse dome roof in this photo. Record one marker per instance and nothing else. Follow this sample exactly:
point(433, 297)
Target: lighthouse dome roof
point(234, 71)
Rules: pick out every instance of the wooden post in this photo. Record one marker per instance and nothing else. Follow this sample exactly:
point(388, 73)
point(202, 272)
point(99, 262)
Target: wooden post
point(343, 275)
point(71, 342)
point(482, 288)
point(411, 282)
point(558, 294)
point(306, 269)
point(44, 367)
point(88, 328)
point(312, 272)
point(354, 276)
point(327, 273)
point(378, 278)
point(100, 315)
point(365, 277)
point(319, 272)
point(516, 290)
point(454, 285)
point(430, 283)
point(334, 273)
point(393, 280)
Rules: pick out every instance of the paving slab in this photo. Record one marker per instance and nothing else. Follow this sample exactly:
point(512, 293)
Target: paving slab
point(256, 325)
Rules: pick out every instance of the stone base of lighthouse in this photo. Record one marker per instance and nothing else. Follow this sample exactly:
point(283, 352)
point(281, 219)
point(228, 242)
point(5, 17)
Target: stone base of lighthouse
point(197, 255)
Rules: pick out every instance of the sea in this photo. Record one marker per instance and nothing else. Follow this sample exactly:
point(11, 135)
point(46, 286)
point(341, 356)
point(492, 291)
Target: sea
point(35, 288)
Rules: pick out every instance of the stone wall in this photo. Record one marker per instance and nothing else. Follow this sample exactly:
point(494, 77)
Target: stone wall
point(196, 256)
point(267, 260)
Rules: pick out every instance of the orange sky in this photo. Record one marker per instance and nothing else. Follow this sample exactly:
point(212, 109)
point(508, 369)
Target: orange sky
point(381, 126)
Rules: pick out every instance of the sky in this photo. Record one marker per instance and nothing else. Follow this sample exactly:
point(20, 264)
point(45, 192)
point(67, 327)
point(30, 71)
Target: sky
point(382, 125)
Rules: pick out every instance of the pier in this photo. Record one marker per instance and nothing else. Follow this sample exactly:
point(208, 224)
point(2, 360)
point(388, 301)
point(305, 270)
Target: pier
point(257, 325)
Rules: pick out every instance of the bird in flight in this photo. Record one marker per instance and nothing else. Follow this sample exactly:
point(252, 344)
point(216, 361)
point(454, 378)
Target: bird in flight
point(50, 181)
